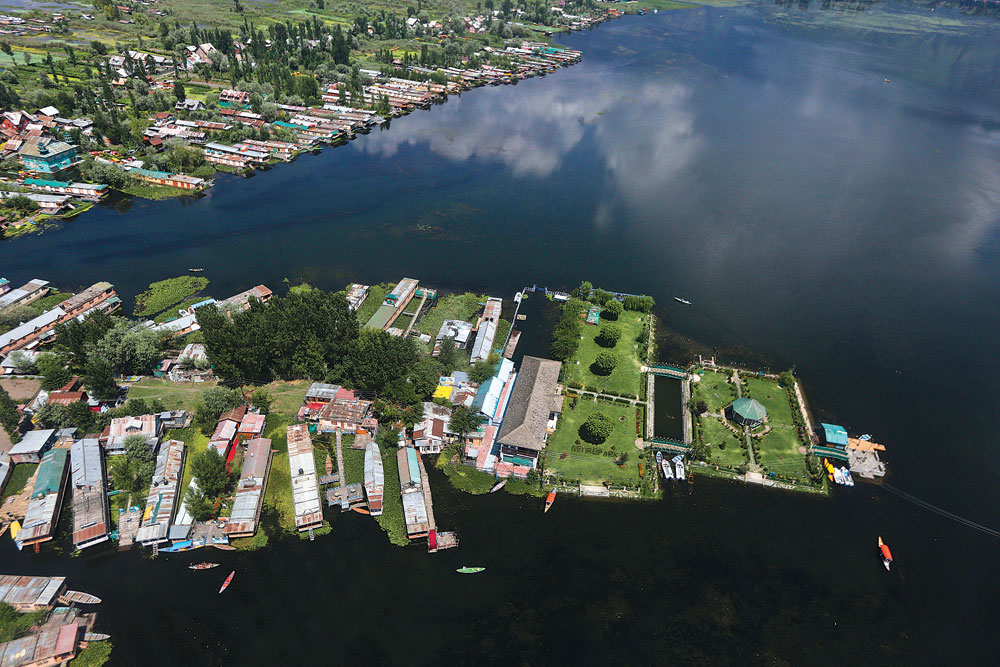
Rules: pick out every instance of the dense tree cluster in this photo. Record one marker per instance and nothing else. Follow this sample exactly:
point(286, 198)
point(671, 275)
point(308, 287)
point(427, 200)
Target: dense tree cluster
point(597, 428)
point(609, 335)
point(566, 336)
point(306, 334)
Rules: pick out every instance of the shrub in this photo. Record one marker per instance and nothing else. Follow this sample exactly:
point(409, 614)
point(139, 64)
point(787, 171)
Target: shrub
point(613, 310)
point(597, 428)
point(609, 335)
point(604, 363)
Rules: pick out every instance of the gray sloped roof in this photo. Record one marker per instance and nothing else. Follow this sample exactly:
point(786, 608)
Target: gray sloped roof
point(534, 396)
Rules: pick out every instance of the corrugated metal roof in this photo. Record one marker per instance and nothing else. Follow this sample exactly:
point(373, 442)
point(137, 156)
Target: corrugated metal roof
point(34, 441)
point(86, 467)
point(50, 473)
point(302, 466)
point(163, 493)
point(415, 513)
point(250, 491)
point(20, 591)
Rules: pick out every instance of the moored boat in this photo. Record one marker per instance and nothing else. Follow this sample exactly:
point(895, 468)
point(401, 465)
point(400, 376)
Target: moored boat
point(360, 510)
point(228, 580)
point(551, 498)
point(81, 598)
point(95, 637)
point(224, 547)
point(15, 528)
point(499, 485)
point(679, 466)
point(668, 473)
point(848, 480)
point(202, 566)
point(469, 570)
point(838, 476)
point(886, 554)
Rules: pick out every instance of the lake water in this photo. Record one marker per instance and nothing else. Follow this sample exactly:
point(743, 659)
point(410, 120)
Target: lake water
point(752, 159)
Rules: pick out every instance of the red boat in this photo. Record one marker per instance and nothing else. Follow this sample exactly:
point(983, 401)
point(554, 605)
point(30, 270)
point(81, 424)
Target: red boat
point(226, 583)
point(886, 554)
point(551, 498)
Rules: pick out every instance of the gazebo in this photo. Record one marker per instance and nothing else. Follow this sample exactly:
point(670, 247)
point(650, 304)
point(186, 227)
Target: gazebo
point(747, 412)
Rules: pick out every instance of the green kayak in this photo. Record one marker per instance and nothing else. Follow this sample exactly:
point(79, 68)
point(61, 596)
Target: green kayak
point(469, 570)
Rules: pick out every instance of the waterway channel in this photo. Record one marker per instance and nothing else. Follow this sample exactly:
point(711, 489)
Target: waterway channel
point(819, 179)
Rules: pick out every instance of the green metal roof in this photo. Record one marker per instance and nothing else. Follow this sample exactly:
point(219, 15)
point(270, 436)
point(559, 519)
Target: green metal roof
point(835, 434)
point(50, 472)
point(380, 320)
point(749, 409)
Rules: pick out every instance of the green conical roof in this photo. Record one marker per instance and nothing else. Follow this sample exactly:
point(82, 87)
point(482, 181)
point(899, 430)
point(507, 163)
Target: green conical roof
point(749, 409)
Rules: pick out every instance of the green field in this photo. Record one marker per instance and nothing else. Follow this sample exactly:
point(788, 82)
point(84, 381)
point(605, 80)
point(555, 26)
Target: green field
point(714, 388)
point(19, 476)
point(174, 395)
point(780, 448)
point(596, 465)
point(278, 495)
point(715, 434)
point(626, 377)
point(376, 295)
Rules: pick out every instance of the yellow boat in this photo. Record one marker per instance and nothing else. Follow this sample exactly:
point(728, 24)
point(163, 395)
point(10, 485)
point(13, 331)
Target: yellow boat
point(15, 528)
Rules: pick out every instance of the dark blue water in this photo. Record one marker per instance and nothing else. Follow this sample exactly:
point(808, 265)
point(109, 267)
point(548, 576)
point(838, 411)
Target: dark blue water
point(752, 159)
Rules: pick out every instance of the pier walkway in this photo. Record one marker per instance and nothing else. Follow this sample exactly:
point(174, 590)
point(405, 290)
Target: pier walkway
point(413, 320)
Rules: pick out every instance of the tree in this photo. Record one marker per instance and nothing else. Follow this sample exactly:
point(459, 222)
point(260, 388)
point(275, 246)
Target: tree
point(604, 363)
point(198, 504)
point(378, 358)
point(53, 371)
point(10, 418)
point(425, 376)
point(597, 428)
point(221, 399)
point(464, 421)
point(787, 378)
point(481, 371)
point(141, 462)
point(179, 93)
point(609, 335)
point(447, 352)
point(261, 400)
point(22, 362)
point(612, 310)
point(209, 467)
point(99, 377)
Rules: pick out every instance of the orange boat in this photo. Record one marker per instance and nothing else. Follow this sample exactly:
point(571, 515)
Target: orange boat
point(886, 554)
point(551, 498)
point(229, 580)
point(360, 510)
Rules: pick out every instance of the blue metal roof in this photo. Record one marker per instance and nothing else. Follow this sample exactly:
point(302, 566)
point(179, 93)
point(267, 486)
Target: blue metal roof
point(835, 434)
point(411, 464)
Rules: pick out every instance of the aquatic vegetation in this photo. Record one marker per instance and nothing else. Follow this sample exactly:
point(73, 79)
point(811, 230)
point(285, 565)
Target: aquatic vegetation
point(166, 293)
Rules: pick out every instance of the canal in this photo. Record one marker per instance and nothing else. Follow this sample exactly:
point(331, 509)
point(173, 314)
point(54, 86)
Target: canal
point(667, 412)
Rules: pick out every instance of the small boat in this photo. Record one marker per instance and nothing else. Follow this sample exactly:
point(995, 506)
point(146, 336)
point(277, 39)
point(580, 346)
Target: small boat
point(81, 598)
point(499, 485)
point(838, 477)
point(551, 498)
point(886, 80)
point(470, 570)
point(15, 528)
point(361, 510)
point(224, 547)
point(680, 300)
point(228, 580)
point(668, 473)
point(886, 554)
point(848, 480)
point(679, 465)
point(202, 566)
point(329, 465)
point(196, 270)
point(95, 637)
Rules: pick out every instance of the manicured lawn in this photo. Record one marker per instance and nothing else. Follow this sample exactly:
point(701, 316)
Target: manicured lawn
point(175, 395)
point(773, 397)
point(626, 377)
point(597, 464)
point(715, 433)
point(451, 307)
point(715, 390)
point(287, 396)
point(779, 452)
